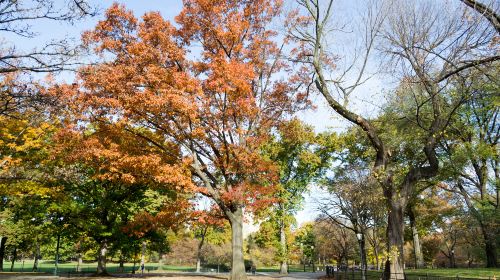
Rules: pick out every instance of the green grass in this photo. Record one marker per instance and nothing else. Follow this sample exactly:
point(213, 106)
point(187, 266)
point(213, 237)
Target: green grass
point(291, 268)
point(430, 274)
point(461, 272)
point(48, 267)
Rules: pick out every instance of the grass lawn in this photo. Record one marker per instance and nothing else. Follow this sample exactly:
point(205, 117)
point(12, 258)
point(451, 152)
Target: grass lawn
point(48, 267)
point(431, 274)
point(291, 268)
point(461, 272)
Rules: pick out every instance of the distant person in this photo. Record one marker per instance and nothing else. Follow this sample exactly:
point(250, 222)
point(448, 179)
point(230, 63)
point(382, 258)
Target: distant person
point(142, 268)
point(253, 269)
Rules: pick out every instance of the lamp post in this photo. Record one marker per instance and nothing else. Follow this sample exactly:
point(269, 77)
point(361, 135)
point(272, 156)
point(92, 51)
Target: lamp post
point(361, 252)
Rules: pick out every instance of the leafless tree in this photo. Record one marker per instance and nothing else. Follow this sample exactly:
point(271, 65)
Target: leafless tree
point(17, 20)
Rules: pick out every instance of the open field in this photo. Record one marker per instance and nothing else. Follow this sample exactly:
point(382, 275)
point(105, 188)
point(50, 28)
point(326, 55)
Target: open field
point(48, 267)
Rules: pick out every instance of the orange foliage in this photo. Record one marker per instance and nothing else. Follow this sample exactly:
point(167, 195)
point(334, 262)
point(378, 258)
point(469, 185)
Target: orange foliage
point(173, 214)
point(163, 109)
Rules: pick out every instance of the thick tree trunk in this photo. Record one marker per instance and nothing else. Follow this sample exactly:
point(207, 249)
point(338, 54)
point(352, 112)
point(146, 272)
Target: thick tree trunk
point(489, 235)
point(14, 257)
point(198, 256)
point(238, 264)
point(394, 268)
point(490, 247)
point(3, 240)
point(101, 259)
point(284, 251)
point(200, 246)
point(419, 256)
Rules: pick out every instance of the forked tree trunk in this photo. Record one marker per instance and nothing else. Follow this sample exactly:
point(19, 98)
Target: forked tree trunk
point(14, 257)
point(284, 251)
point(238, 264)
point(394, 268)
point(419, 256)
point(101, 259)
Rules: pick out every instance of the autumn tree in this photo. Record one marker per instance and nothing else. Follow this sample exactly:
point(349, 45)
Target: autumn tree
point(338, 239)
point(428, 46)
point(210, 113)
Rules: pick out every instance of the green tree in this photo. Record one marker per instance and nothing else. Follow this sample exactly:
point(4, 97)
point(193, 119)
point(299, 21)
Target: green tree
point(472, 157)
point(299, 155)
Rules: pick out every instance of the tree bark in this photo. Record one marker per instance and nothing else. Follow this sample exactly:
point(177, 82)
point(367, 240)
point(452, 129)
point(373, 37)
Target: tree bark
point(57, 253)
point(143, 255)
point(101, 259)
point(284, 252)
point(394, 268)
point(488, 234)
point(37, 256)
point(417, 248)
point(364, 262)
point(3, 240)
point(200, 246)
point(80, 263)
point(238, 263)
point(490, 247)
point(14, 257)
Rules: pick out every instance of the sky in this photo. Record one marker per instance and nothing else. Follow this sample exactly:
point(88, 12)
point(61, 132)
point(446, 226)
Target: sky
point(322, 118)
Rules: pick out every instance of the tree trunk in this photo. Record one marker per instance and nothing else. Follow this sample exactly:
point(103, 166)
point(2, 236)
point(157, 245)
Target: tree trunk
point(490, 247)
point(284, 251)
point(238, 264)
point(394, 268)
point(101, 259)
point(364, 263)
point(80, 263)
point(3, 240)
point(200, 246)
point(143, 256)
point(488, 234)
point(14, 257)
point(121, 263)
point(417, 248)
point(37, 256)
point(57, 253)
